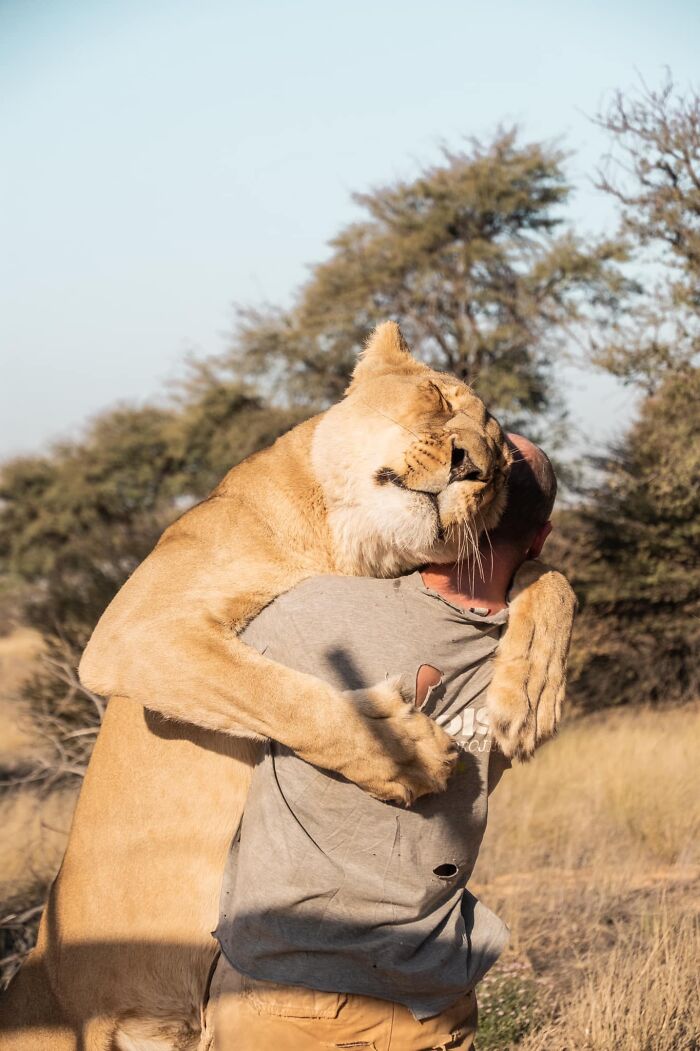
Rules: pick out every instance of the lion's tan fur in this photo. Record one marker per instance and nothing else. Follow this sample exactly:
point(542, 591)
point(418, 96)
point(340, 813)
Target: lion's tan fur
point(124, 948)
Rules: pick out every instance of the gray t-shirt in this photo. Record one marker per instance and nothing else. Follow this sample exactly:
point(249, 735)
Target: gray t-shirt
point(329, 888)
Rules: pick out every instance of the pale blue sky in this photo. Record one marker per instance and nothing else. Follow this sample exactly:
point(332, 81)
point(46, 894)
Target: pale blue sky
point(161, 160)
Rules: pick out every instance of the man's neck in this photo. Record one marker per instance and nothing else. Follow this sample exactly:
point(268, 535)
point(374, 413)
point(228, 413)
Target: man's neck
point(473, 584)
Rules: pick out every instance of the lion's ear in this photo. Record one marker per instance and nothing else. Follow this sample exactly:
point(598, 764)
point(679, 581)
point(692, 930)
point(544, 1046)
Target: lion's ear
point(386, 351)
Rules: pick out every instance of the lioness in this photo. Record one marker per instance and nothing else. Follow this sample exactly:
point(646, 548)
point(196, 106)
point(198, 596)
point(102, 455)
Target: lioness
point(407, 469)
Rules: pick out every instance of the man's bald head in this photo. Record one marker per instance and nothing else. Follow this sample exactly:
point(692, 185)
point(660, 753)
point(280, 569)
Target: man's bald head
point(532, 490)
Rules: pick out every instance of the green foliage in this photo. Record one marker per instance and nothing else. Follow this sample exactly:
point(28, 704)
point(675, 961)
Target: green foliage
point(75, 522)
point(653, 172)
point(472, 257)
point(634, 553)
point(218, 423)
point(508, 1007)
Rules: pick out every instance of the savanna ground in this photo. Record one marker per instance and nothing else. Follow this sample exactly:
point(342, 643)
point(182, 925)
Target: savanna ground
point(591, 856)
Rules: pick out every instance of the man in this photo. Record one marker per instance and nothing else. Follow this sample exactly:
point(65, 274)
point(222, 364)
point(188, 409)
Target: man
point(345, 921)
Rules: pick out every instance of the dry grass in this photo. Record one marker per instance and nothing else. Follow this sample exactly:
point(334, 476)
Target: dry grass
point(616, 788)
point(34, 833)
point(642, 995)
point(592, 856)
point(18, 652)
point(20, 743)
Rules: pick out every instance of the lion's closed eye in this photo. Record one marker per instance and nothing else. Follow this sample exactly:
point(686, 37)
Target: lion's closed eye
point(436, 395)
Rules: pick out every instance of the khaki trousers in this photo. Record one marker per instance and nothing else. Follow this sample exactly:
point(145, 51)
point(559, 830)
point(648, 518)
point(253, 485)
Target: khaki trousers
point(244, 1014)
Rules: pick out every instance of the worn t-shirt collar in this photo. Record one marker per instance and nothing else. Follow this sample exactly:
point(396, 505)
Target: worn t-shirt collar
point(415, 579)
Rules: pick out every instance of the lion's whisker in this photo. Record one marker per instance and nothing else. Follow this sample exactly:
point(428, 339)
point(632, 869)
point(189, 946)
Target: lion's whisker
point(488, 538)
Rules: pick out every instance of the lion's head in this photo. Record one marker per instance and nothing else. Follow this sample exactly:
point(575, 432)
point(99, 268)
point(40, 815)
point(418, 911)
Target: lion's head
point(412, 465)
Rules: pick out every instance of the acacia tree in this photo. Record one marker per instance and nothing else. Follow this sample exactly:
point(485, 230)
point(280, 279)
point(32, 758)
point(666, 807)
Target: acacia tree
point(473, 258)
point(653, 173)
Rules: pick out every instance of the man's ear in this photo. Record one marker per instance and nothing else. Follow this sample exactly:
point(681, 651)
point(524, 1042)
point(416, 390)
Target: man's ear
point(538, 542)
point(386, 351)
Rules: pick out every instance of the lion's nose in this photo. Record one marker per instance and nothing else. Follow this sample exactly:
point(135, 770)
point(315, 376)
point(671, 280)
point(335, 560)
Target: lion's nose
point(462, 469)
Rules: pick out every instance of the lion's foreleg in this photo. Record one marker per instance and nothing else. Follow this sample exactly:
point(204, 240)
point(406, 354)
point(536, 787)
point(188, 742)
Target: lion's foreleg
point(526, 693)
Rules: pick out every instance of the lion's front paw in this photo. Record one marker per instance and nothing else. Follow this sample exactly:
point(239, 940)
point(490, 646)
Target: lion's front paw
point(399, 754)
point(527, 690)
point(519, 722)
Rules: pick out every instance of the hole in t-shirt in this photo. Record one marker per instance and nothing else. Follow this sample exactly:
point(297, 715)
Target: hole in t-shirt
point(446, 871)
point(428, 679)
